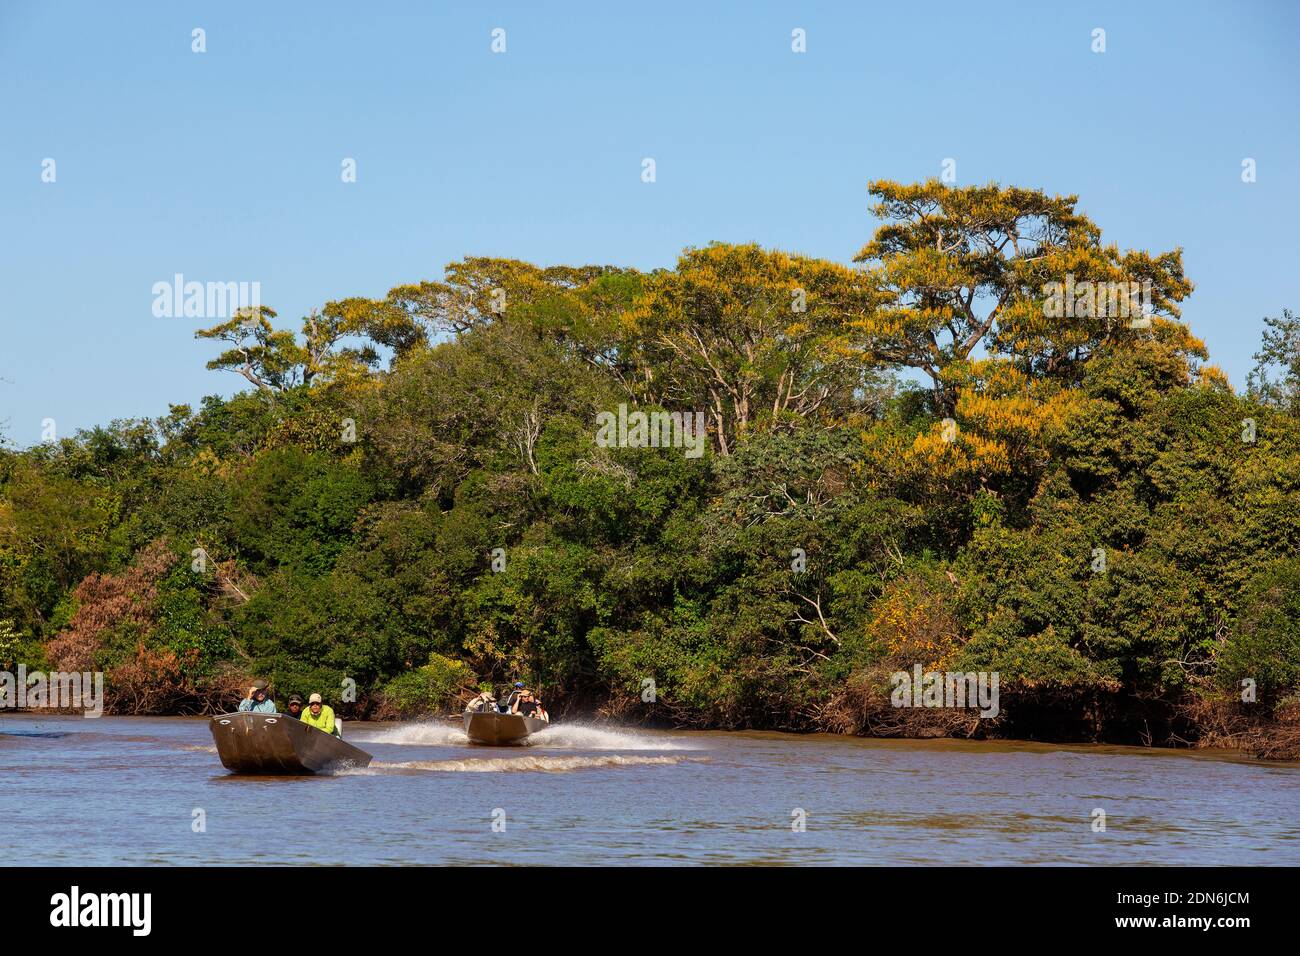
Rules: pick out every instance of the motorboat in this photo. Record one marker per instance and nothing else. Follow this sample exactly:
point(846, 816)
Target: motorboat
point(279, 744)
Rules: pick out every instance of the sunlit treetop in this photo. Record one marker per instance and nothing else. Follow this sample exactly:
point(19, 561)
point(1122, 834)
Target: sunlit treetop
point(968, 269)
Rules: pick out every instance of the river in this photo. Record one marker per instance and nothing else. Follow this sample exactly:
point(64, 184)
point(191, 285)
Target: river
point(118, 790)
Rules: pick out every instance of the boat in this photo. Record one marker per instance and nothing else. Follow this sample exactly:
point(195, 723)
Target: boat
point(279, 744)
point(495, 729)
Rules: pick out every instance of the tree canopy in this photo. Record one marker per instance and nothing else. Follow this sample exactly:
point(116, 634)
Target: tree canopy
point(956, 453)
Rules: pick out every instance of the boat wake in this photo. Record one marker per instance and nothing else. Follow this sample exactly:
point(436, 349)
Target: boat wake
point(587, 737)
point(563, 736)
point(530, 764)
point(428, 734)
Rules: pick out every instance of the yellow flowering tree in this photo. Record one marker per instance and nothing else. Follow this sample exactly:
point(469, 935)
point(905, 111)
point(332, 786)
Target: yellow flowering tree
point(995, 271)
point(748, 335)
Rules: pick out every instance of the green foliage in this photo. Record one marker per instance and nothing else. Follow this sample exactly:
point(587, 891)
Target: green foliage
point(199, 639)
point(295, 508)
point(54, 530)
point(16, 649)
point(1275, 380)
point(1265, 645)
point(435, 686)
point(829, 531)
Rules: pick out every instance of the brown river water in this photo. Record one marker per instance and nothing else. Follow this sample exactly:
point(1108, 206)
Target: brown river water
point(129, 791)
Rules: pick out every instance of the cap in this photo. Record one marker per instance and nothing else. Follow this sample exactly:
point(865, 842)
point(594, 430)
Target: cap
point(314, 699)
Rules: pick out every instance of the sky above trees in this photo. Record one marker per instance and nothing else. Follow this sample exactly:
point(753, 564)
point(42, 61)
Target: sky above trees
point(229, 165)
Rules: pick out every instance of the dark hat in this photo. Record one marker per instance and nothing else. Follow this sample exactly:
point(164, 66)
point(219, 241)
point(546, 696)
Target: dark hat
point(295, 699)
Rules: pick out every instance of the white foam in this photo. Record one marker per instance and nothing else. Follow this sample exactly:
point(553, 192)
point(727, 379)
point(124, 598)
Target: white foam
point(428, 734)
point(587, 737)
point(533, 764)
point(561, 736)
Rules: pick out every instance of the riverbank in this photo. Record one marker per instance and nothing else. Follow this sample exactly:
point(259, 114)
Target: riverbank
point(865, 709)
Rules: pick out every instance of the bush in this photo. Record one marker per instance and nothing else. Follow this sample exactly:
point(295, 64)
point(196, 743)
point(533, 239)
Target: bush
point(436, 686)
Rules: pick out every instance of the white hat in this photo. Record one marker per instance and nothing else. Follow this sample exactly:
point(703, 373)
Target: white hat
point(314, 699)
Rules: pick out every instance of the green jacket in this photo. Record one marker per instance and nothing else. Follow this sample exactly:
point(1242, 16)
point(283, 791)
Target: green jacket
point(324, 722)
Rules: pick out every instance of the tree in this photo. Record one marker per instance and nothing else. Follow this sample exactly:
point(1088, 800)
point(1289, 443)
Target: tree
point(1265, 645)
point(266, 358)
point(1281, 350)
point(482, 399)
point(478, 290)
point(749, 336)
point(54, 530)
point(961, 269)
point(275, 362)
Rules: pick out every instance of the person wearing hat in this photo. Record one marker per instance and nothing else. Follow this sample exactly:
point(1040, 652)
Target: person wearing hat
point(295, 707)
point(320, 716)
point(258, 700)
point(526, 704)
point(508, 706)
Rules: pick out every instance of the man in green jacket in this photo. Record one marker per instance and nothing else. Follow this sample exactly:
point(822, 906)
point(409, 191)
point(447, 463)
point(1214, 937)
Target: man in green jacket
point(320, 716)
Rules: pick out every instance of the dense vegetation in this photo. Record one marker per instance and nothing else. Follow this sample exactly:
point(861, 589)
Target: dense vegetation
point(912, 461)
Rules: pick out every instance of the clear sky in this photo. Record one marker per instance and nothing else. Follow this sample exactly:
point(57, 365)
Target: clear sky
point(226, 165)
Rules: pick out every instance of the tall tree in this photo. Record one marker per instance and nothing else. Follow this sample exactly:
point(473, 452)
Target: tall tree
point(274, 360)
point(749, 336)
point(982, 267)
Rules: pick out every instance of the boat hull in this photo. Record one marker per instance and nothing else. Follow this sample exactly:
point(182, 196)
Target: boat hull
point(278, 744)
point(499, 730)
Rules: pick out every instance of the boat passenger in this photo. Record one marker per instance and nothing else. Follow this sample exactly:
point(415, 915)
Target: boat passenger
point(526, 705)
point(295, 707)
point(320, 716)
point(258, 700)
point(483, 702)
point(509, 706)
point(538, 710)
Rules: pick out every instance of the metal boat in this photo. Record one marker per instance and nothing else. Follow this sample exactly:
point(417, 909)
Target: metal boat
point(495, 729)
point(278, 744)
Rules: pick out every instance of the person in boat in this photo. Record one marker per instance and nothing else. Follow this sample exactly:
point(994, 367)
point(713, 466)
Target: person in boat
point(483, 702)
point(258, 700)
point(320, 716)
point(528, 705)
point(532, 706)
point(295, 707)
point(513, 698)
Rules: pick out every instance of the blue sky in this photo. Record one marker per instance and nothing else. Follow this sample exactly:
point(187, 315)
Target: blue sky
point(225, 165)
